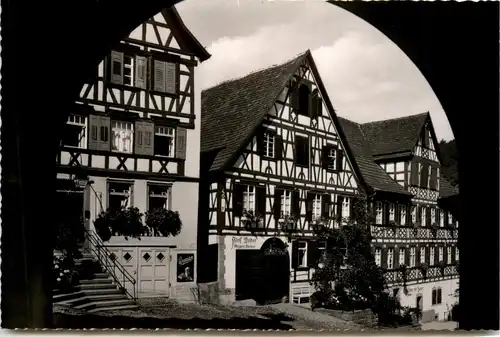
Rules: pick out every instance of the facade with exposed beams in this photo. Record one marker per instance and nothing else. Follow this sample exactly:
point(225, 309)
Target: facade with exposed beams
point(134, 133)
point(271, 143)
point(422, 234)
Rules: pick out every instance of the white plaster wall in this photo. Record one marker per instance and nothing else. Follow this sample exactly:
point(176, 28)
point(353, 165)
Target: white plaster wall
point(425, 289)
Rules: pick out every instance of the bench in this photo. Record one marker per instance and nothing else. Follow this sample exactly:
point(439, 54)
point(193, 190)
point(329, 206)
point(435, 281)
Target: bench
point(300, 293)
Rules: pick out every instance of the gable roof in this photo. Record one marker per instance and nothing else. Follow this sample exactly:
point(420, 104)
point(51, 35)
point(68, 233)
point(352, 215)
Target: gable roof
point(395, 135)
point(374, 175)
point(184, 37)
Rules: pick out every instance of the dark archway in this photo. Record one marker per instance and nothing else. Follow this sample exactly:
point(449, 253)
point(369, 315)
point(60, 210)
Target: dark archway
point(441, 38)
point(276, 270)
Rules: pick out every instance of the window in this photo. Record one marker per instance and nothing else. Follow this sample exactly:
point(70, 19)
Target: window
point(403, 215)
point(332, 159)
point(119, 195)
point(378, 256)
point(249, 198)
point(158, 196)
point(302, 251)
point(164, 141)
point(321, 247)
point(74, 132)
point(448, 255)
point(346, 209)
point(413, 214)
point(379, 213)
point(304, 94)
point(433, 216)
point(440, 252)
point(402, 256)
point(301, 151)
point(390, 258)
point(122, 134)
point(412, 256)
point(436, 296)
point(432, 255)
point(456, 254)
point(269, 145)
point(128, 70)
point(422, 255)
point(316, 210)
point(391, 212)
point(286, 204)
point(450, 218)
point(422, 215)
point(441, 219)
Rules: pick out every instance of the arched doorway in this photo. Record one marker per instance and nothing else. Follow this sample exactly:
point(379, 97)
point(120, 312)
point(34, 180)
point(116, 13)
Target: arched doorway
point(276, 270)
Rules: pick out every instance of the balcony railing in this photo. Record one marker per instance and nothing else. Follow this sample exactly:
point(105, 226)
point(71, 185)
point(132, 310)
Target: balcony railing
point(408, 232)
point(415, 273)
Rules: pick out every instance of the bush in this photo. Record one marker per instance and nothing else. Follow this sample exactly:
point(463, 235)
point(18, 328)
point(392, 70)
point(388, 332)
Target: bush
point(126, 222)
point(64, 274)
point(163, 221)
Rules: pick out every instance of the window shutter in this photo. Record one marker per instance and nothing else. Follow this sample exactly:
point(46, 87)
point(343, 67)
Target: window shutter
point(427, 255)
point(148, 138)
point(324, 157)
point(428, 216)
point(278, 141)
point(295, 207)
point(340, 200)
point(94, 132)
point(438, 216)
point(340, 155)
point(419, 214)
point(453, 250)
point(319, 106)
point(159, 77)
point(446, 215)
point(439, 295)
point(383, 258)
point(295, 254)
point(397, 213)
point(171, 78)
point(433, 181)
point(407, 256)
point(141, 64)
point(424, 176)
point(260, 142)
point(312, 253)
point(414, 173)
point(294, 95)
point(139, 137)
point(238, 200)
point(104, 133)
point(277, 203)
point(325, 208)
point(385, 213)
point(180, 143)
point(396, 258)
point(309, 206)
point(116, 65)
point(260, 196)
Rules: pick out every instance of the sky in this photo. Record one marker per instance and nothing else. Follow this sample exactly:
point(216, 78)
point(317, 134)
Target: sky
point(366, 75)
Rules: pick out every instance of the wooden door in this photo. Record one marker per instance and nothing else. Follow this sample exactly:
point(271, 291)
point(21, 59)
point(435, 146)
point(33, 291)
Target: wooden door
point(153, 274)
point(249, 275)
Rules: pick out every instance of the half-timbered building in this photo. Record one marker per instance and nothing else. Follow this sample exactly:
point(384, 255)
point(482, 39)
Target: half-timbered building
point(272, 151)
point(414, 240)
point(133, 137)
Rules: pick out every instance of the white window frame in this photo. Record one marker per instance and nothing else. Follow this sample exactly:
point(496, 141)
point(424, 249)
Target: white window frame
point(302, 246)
point(129, 193)
point(422, 255)
point(432, 255)
point(403, 215)
point(448, 255)
point(166, 131)
point(316, 206)
point(248, 201)
point(423, 214)
point(117, 129)
point(390, 258)
point(269, 144)
point(286, 202)
point(379, 211)
point(130, 66)
point(332, 159)
point(79, 121)
point(457, 255)
point(433, 215)
point(413, 257)
point(402, 256)
point(414, 214)
point(450, 218)
point(163, 195)
point(441, 219)
point(378, 256)
point(346, 207)
point(392, 212)
point(441, 254)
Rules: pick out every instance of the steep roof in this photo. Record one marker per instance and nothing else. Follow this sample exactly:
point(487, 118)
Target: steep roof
point(374, 175)
point(394, 135)
point(183, 35)
point(231, 111)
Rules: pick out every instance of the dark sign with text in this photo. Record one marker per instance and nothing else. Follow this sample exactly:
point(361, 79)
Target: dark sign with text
point(185, 267)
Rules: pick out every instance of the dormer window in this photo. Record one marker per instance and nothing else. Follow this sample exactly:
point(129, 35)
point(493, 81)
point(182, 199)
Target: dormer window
point(269, 145)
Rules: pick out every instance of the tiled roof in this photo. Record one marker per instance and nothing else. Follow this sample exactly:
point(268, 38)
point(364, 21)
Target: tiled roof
point(232, 110)
point(394, 135)
point(446, 189)
point(374, 175)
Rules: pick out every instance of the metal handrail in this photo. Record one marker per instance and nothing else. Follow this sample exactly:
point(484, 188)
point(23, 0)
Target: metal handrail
point(103, 255)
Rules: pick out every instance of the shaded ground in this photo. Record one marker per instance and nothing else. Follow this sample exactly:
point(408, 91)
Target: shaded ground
point(160, 313)
point(447, 325)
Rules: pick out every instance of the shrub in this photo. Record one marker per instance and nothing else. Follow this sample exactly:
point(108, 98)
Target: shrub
point(163, 221)
point(65, 276)
point(126, 222)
